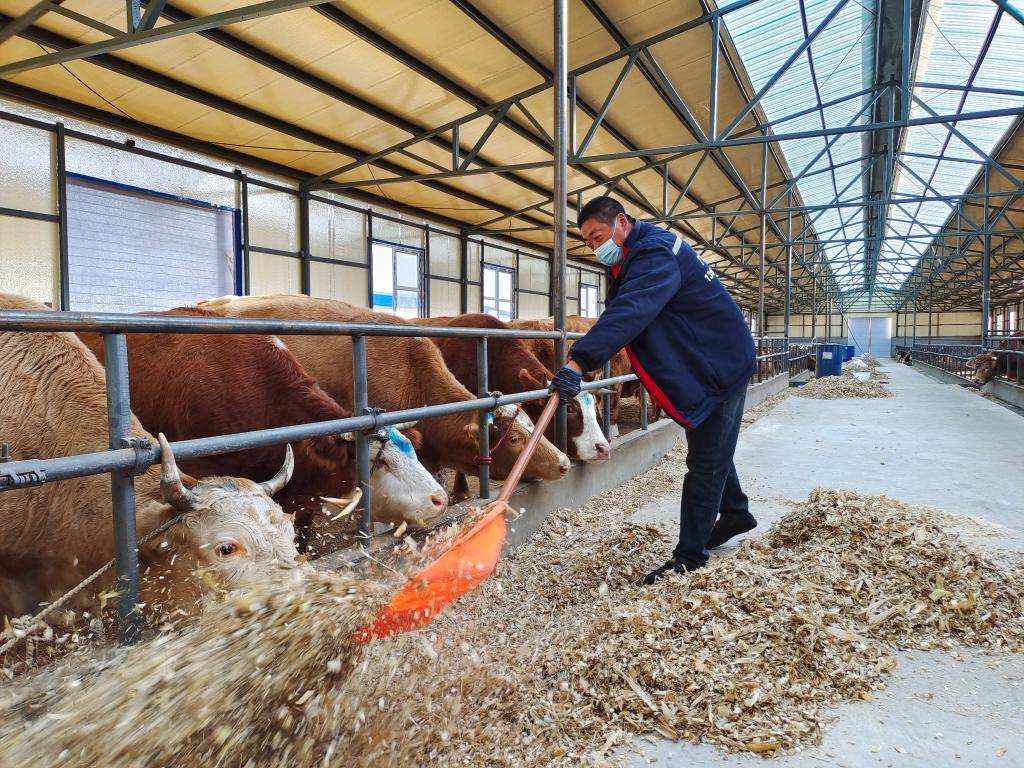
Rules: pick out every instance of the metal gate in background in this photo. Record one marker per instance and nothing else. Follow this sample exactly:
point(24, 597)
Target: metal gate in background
point(872, 334)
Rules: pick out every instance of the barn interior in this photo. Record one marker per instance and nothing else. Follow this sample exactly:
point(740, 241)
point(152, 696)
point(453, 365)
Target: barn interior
point(852, 171)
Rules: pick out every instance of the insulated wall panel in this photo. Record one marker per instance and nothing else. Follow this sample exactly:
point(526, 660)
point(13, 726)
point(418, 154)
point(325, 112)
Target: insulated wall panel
point(338, 281)
point(444, 298)
point(28, 258)
point(274, 274)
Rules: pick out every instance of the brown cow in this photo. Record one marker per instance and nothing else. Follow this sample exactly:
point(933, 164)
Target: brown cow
point(989, 365)
point(54, 535)
point(544, 349)
point(202, 385)
point(512, 367)
point(403, 372)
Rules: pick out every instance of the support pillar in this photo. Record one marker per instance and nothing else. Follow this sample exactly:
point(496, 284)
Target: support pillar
point(560, 202)
point(986, 269)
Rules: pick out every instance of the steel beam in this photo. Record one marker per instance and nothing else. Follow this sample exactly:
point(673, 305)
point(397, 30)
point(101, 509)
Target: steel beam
point(166, 32)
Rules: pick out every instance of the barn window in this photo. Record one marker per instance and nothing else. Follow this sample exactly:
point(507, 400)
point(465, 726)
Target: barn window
point(397, 279)
point(131, 249)
point(588, 300)
point(499, 291)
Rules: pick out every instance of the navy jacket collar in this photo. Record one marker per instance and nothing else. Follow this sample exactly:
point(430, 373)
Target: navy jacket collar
point(635, 234)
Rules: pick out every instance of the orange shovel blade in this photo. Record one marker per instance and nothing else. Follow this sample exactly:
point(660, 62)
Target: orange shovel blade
point(470, 560)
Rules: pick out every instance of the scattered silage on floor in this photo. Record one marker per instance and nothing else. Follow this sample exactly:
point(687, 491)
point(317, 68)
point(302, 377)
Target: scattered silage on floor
point(557, 661)
point(262, 679)
point(839, 387)
point(571, 658)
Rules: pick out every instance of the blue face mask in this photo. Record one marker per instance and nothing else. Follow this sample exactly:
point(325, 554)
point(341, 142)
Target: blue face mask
point(608, 253)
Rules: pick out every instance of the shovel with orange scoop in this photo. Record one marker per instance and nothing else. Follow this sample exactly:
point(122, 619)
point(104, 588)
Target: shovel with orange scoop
point(470, 560)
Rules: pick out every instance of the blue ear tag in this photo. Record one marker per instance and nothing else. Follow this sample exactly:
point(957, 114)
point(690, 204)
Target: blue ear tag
point(490, 419)
point(401, 442)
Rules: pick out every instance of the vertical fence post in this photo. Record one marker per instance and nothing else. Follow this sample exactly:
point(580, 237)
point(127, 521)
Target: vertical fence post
point(761, 330)
point(122, 485)
point(484, 434)
point(62, 224)
point(606, 410)
point(361, 402)
point(814, 297)
point(787, 306)
point(643, 409)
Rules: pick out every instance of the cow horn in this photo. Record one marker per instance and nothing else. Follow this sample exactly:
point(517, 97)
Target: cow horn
point(174, 491)
point(284, 474)
point(406, 425)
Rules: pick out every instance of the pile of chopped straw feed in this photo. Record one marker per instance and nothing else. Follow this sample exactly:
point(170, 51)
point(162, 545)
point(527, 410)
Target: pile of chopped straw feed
point(570, 658)
point(871, 361)
point(558, 660)
point(837, 387)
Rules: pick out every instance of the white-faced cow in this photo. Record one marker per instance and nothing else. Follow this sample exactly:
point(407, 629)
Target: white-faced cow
point(54, 535)
point(403, 372)
point(512, 367)
point(544, 349)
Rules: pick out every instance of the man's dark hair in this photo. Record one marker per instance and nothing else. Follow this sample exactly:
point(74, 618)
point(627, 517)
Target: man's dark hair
point(604, 209)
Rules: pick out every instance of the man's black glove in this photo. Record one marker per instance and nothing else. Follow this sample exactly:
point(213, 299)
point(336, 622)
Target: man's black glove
point(567, 383)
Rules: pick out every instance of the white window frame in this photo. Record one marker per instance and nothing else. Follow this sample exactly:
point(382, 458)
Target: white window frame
point(593, 289)
point(396, 288)
point(496, 301)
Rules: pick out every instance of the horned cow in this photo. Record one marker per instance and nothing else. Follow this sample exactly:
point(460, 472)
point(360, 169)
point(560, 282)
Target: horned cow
point(55, 534)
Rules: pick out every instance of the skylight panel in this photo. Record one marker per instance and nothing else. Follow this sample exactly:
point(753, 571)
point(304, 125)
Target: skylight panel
point(766, 34)
point(960, 28)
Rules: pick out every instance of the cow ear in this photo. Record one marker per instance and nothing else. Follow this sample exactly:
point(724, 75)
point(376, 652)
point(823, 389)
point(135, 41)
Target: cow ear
point(472, 429)
point(527, 380)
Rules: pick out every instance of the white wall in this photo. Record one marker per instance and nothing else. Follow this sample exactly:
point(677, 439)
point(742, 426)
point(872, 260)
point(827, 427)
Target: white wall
point(29, 249)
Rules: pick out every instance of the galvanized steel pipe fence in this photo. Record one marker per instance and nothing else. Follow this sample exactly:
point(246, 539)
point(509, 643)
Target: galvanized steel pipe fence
point(128, 457)
point(958, 359)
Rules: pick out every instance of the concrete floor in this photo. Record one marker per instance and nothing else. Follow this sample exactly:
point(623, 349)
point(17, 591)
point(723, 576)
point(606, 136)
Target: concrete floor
point(934, 444)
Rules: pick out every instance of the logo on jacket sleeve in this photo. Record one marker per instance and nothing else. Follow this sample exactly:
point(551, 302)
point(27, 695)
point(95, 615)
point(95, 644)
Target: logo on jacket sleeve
point(709, 273)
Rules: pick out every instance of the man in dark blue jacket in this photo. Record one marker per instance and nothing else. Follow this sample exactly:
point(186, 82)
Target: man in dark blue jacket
point(693, 352)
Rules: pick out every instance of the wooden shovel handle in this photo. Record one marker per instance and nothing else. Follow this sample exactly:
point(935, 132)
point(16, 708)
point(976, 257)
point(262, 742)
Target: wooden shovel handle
point(519, 467)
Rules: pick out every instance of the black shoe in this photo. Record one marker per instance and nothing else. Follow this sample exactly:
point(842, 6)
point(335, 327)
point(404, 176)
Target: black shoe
point(728, 527)
point(672, 566)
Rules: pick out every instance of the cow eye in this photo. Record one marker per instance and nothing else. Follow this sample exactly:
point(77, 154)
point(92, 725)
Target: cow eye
point(227, 549)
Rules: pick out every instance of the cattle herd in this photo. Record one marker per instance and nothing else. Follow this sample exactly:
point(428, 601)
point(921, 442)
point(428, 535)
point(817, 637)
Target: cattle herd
point(248, 513)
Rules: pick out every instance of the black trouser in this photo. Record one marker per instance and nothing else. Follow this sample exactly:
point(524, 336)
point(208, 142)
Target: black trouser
point(711, 486)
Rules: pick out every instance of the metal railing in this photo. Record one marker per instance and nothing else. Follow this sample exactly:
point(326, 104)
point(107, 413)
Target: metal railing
point(959, 359)
point(1010, 349)
point(772, 358)
point(799, 357)
point(126, 458)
